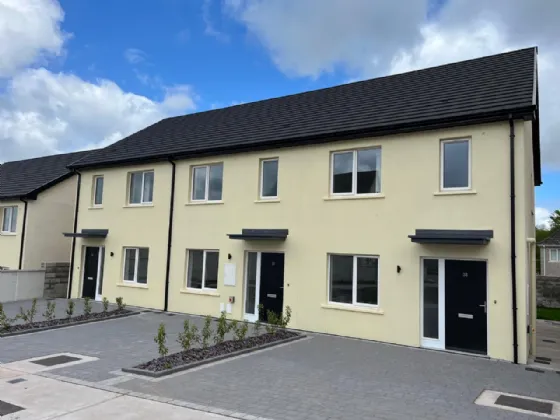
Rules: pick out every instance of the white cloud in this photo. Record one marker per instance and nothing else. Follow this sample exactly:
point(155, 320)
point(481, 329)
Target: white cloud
point(542, 217)
point(209, 27)
point(135, 55)
point(29, 33)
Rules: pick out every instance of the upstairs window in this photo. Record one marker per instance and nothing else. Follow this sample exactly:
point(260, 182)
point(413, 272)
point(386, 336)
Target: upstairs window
point(98, 190)
point(555, 255)
point(141, 187)
point(356, 172)
point(207, 182)
point(269, 178)
point(455, 164)
point(9, 219)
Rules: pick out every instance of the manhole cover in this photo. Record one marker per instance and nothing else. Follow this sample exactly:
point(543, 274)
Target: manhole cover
point(7, 408)
point(525, 404)
point(55, 360)
point(16, 381)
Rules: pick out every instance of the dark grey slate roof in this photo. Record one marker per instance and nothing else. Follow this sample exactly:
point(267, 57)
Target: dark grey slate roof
point(483, 89)
point(26, 178)
point(552, 239)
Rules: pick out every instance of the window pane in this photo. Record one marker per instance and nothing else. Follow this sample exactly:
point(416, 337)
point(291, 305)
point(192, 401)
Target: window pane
point(135, 187)
point(199, 183)
point(143, 265)
point(194, 278)
point(456, 164)
point(369, 171)
point(251, 283)
point(270, 178)
point(6, 217)
point(366, 283)
point(215, 184)
point(342, 267)
point(343, 164)
point(14, 219)
point(148, 187)
point(129, 264)
point(431, 305)
point(98, 191)
point(211, 274)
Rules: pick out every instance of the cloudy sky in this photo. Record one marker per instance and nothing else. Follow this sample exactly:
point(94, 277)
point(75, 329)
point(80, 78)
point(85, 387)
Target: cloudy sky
point(83, 74)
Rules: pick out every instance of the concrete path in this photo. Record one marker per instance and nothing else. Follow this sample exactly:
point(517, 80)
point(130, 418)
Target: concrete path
point(548, 344)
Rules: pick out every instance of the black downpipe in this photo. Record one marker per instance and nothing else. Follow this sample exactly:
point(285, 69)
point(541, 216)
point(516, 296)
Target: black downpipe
point(23, 226)
point(72, 253)
point(512, 218)
point(169, 234)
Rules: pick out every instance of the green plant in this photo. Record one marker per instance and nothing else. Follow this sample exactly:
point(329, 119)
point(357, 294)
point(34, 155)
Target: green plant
point(70, 308)
point(206, 331)
point(120, 303)
point(5, 322)
point(284, 320)
point(232, 326)
point(189, 336)
point(241, 330)
point(105, 303)
point(271, 322)
point(49, 312)
point(221, 328)
point(257, 327)
point(87, 306)
point(28, 315)
point(160, 340)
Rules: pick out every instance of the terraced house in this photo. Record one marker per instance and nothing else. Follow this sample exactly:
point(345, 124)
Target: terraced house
point(397, 209)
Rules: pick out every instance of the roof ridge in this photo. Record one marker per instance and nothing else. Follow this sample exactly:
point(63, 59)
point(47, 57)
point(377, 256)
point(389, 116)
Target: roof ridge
point(48, 156)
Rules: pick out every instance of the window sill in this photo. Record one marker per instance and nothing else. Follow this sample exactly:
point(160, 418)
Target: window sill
point(353, 197)
point(8, 233)
point(455, 192)
point(264, 200)
point(199, 292)
point(95, 208)
point(203, 203)
point(136, 206)
point(350, 308)
point(133, 285)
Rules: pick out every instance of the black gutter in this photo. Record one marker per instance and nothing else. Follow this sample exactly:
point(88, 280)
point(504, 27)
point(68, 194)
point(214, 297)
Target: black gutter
point(73, 252)
point(169, 234)
point(512, 220)
point(23, 226)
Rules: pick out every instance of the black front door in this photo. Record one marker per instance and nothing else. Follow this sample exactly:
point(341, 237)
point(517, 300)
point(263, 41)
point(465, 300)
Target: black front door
point(91, 264)
point(465, 306)
point(272, 284)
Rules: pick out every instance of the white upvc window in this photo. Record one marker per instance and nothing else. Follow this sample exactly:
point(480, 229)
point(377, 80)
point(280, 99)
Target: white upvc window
point(135, 267)
point(356, 172)
point(269, 179)
point(141, 187)
point(554, 255)
point(9, 219)
point(98, 181)
point(354, 279)
point(455, 171)
point(207, 181)
point(202, 269)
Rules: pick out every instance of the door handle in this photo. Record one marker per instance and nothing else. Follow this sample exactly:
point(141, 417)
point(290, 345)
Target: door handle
point(483, 306)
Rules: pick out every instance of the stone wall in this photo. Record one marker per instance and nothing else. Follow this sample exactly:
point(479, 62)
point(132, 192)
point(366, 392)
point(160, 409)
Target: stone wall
point(56, 279)
point(548, 291)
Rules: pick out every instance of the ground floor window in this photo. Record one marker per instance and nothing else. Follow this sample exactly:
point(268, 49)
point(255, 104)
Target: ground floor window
point(202, 269)
point(136, 265)
point(354, 279)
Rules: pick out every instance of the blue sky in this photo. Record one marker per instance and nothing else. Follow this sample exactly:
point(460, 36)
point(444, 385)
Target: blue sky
point(86, 73)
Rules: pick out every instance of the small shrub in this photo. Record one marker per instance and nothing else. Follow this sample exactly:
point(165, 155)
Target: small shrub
point(271, 322)
point(160, 340)
point(120, 303)
point(257, 327)
point(221, 328)
point(5, 322)
point(28, 315)
point(232, 326)
point(70, 308)
point(49, 313)
point(105, 302)
point(206, 331)
point(284, 320)
point(241, 330)
point(189, 336)
point(87, 306)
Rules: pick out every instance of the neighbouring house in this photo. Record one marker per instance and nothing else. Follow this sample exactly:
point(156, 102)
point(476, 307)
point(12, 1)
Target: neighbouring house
point(397, 209)
point(550, 255)
point(37, 202)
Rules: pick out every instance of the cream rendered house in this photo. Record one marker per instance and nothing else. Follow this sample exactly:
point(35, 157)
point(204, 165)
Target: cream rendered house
point(380, 209)
point(37, 202)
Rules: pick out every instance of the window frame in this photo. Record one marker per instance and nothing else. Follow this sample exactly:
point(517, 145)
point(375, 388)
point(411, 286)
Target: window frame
point(203, 286)
point(12, 224)
point(95, 178)
point(206, 184)
point(557, 252)
point(261, 178)
point(136, 262)
point(354, 303)
point(442, 163)
point(142, 202)
point(354, 191)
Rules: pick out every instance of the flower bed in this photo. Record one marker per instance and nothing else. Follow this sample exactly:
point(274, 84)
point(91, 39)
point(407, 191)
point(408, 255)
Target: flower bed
point(197, 356)
point(64, 322)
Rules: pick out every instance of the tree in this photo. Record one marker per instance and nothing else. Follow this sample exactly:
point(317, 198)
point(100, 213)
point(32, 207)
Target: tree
point(555, 220)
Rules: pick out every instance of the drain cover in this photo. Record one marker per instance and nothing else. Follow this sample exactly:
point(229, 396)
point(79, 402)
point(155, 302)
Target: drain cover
point(525, 404)
point(16, 381)
point(7, 408)
point(543, 359)
point(549, 341)
point(55, 360)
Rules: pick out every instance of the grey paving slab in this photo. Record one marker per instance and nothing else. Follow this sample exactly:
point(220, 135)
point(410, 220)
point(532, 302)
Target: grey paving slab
point(337, 378)
point(548, 344)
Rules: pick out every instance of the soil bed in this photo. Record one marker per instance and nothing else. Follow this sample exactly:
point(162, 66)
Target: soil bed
point(64, 322)
point(196, 356)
